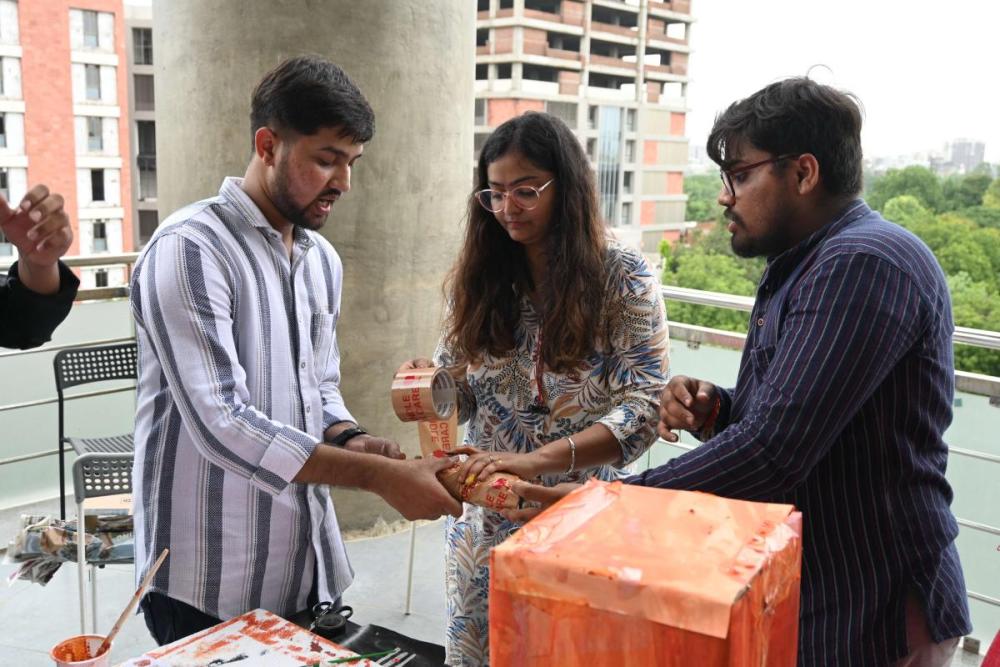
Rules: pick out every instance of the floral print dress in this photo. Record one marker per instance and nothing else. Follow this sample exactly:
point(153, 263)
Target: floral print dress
point(618, 388)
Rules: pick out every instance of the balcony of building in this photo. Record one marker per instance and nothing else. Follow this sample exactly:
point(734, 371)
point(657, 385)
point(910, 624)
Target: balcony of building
point(391, 582)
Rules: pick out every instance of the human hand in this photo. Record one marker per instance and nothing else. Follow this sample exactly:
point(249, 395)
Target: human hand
point(370, 444)
point(540, 497)
point(413, 364)
point(480, 464)
point(39, 227)
point(413, 489)
point(685, 403)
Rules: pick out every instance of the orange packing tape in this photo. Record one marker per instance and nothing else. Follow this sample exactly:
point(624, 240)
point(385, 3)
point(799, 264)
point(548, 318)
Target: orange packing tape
point(427, 396)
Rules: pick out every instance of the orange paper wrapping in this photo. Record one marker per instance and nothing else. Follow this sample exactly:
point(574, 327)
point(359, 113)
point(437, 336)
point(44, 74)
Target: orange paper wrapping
point(493, 492)
point(626, 575)
point(427, 396)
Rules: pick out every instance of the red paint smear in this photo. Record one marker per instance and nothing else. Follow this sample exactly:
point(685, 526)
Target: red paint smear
point(315, 647)
point(163, 650)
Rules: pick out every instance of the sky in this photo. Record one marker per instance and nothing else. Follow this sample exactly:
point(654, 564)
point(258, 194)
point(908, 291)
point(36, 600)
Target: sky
point(926, 72)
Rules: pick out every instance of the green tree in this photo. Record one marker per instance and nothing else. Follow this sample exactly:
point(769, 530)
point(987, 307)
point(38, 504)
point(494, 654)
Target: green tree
point(991, 198)
point(965, 191)
point(698, 269)
point(703, 192)
point(975, 305)
point(907, 211)
point(981, 216)
point(920, 182)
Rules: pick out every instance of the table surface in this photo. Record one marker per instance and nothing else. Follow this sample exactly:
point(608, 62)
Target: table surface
point(256, 638)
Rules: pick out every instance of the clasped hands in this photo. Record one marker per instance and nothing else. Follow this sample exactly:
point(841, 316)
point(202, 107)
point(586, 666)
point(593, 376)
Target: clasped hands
point(685, 403)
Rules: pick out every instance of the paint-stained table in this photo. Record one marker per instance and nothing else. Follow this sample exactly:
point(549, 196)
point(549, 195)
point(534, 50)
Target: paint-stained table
point(255, 639)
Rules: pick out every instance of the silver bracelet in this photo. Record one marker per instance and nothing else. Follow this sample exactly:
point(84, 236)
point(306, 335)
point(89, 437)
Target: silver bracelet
point(572, 455)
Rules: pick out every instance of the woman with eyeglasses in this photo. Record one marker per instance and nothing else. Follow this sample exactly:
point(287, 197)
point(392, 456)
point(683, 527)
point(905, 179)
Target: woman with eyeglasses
point(557, 338)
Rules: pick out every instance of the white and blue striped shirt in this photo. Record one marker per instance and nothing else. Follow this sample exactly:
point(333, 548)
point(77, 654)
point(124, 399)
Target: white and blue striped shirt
point(238, 378)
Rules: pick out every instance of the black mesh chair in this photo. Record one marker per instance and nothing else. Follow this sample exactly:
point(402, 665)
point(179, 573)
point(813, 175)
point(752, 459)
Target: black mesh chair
point(95, 476)
point(84, 365)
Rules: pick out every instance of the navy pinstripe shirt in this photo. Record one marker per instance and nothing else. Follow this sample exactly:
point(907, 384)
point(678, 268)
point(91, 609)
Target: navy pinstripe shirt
point(844, 391)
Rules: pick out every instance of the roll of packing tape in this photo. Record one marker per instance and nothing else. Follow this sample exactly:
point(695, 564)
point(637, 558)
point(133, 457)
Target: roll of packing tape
point(427, 396)
point(423, 394)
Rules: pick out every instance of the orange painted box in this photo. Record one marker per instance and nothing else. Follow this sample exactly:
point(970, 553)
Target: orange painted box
point(615, 574)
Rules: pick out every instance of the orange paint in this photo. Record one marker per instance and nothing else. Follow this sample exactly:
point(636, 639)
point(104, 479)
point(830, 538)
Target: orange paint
point(633, 575)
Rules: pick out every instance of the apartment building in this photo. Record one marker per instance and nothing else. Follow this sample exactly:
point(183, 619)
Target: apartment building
point(616, 72)
point(65, 119)
point(142, 111)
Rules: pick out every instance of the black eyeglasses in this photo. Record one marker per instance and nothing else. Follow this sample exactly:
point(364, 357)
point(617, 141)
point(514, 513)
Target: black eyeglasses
point(727, 174)
point(525, 196)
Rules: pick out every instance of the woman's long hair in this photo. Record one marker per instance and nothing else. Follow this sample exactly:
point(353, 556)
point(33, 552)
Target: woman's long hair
point(485, 285)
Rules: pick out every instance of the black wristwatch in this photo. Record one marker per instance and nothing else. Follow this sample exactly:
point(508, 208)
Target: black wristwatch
point(341, 438)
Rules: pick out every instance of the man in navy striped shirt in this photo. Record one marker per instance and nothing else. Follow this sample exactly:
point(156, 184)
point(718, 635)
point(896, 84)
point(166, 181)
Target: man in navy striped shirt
point(844, 390)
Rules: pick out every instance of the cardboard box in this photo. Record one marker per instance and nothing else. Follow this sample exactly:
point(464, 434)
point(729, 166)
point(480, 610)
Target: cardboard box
point(626, 575)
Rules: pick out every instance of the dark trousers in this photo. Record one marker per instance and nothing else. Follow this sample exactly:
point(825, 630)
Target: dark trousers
point(169, 620)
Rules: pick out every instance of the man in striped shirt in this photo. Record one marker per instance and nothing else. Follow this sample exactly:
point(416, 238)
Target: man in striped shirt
point(844, 390)
point(240, 423)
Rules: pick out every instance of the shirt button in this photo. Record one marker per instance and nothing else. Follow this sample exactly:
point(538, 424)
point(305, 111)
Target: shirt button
point(302, 365)
point(760, 321)
point(308, 409)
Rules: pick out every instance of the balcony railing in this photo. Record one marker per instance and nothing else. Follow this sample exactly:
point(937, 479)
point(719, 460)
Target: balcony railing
point(982, 527)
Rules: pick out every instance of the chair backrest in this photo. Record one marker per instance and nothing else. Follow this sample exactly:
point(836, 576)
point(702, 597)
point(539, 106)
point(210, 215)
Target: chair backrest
point(96, 475)
point(80, 365)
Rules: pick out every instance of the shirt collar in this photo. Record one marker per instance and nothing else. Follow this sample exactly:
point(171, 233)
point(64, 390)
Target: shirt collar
point(781, 264)
point(232, 192)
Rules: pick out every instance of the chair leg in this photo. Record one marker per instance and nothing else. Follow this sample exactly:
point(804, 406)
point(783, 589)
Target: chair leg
point(409, 567)
point(81, 560)
point(93, 599)
point(62, 481)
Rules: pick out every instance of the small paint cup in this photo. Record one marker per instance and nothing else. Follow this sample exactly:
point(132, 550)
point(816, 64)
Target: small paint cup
point(78, 651)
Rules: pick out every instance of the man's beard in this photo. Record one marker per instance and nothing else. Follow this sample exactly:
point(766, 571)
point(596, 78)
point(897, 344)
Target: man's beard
point(775, 242)
point(282, 199)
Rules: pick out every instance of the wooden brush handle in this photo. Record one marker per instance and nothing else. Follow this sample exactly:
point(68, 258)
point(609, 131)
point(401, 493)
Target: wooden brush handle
point(106, 644)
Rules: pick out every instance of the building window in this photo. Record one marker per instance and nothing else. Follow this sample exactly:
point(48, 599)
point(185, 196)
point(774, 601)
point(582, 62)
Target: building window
point(564, 111)
point(592, 117)
point(627, 182)
point(101, 241)
point(142, 46)
point(101, 278)
point(5, 184)
point(480, 112)
point(3, 131)
point(626, 213)
point(144, 99)
point(630, 150)
point(592, 149)
point(504, 71)
point(93, 74)
point(95, 134)
point(630, 120)
point(91, 37)
point(146, 159)
point(97, 185)
point(148, 220)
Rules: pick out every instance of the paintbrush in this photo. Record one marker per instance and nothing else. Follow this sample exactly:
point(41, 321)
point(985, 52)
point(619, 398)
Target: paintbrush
point(355, 658)
point(106, 644)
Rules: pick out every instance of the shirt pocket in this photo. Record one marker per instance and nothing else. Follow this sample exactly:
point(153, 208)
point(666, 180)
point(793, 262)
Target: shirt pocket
point(760, 361)
point(321, 334)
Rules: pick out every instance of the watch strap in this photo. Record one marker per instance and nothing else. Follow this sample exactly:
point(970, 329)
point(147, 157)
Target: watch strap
point(341, 438)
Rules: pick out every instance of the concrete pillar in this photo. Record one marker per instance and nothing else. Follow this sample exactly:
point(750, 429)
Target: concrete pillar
point(398, 229)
